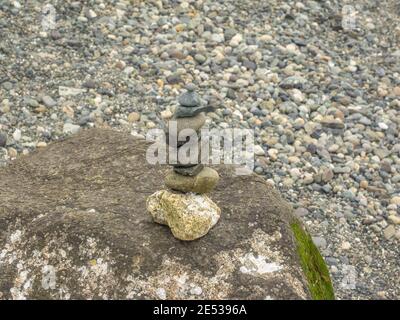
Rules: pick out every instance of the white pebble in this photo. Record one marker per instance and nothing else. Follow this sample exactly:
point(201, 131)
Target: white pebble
point(17, 135)
point(236, 39)
point(383, 126)
point(71, 128)
point(346, 245)
point(258, 151)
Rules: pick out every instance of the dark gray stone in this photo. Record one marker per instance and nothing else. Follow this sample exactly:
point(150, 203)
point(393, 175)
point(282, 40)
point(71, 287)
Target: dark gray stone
point(231, 94)
point(188, 170)
point(49, 101)
point(3, 139)
point(90, 84)
point(174, 79)
point(184, 112)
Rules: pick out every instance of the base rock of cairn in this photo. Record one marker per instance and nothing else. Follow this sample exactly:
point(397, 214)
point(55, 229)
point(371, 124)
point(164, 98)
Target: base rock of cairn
point(189, 215)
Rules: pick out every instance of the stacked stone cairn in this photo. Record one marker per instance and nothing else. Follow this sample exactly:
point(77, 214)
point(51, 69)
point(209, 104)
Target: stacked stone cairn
point(184, 206)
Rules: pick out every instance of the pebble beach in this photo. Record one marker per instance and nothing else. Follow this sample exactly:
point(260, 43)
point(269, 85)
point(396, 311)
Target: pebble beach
point(322, 98)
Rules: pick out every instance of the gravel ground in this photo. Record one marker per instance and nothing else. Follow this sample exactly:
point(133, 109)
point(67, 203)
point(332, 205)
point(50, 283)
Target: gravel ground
point(324, 101)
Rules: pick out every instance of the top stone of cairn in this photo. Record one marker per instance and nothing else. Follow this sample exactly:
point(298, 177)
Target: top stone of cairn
point(190, 98)
point(190, 104)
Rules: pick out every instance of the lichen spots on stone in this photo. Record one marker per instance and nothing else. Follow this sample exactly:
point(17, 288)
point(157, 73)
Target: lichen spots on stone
point(15, 236)
point(44, 270)
point(265, 261)
point(95, 273)
point(258, 265)
point(175, 280)
point(313, 265)
point(49, 277)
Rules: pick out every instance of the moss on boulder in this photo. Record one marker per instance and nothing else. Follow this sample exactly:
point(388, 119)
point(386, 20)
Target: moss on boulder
point(314, 267)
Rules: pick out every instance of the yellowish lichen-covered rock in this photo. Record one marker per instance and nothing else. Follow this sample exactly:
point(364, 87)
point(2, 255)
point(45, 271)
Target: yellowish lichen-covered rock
point(189, 216)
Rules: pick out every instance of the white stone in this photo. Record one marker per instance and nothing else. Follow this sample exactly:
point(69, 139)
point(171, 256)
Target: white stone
point(71, 128)
point(129, 70)
point(17, 135)
point(383, 126)
point(238, 114)
point(196, 291)
point(184, 5)
point(259, 151)
point(16, 236)
point(292, 48)
point(236, 39)
point(295, 172)
point(297, 95)
point(160, 292)
point(273, 154)
point(243, 171)
point(166, 114)
point(218, 37)
point(91, 14)
point(346, 245)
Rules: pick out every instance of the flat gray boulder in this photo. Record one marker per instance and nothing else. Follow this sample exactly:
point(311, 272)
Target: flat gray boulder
point(74, 225)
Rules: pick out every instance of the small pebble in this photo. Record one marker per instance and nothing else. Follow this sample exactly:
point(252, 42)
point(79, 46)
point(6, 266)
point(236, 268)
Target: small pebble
point(3, 139)
point(49, 101)
point(133, 117)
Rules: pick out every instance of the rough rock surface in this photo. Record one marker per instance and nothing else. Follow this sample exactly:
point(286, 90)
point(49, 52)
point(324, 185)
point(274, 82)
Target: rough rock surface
point(73, 224)
point(190, 216)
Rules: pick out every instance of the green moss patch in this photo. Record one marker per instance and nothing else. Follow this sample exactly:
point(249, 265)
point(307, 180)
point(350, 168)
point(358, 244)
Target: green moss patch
point(314, 267)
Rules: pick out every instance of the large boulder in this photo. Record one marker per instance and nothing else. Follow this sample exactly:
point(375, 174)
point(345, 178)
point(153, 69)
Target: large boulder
point(73, 224)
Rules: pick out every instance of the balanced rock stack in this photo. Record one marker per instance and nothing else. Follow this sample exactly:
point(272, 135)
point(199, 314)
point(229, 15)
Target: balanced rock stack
point(185, 207)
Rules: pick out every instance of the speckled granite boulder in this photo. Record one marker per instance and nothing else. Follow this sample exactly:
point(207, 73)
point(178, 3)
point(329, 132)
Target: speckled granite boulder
point(74, 225)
